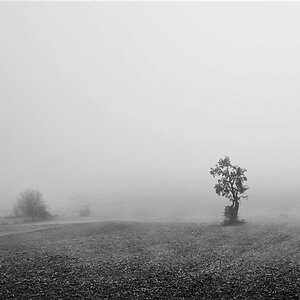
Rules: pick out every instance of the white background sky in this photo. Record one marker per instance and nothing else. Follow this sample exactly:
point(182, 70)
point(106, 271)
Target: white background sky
point(134, 102)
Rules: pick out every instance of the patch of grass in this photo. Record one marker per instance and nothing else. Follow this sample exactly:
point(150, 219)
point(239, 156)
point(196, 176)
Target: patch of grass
point(122, 260)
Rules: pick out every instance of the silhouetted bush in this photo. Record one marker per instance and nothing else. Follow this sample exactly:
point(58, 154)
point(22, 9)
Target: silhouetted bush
point(84, 211)
point(30, 206)
point(228, 214)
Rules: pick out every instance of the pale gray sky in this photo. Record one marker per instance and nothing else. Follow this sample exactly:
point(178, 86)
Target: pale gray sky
point(134, 102)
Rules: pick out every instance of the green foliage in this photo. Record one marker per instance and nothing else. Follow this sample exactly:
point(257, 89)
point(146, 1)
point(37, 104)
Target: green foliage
point(231, 180)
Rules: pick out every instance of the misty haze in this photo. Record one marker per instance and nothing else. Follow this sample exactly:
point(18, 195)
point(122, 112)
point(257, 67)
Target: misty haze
point(117, 119)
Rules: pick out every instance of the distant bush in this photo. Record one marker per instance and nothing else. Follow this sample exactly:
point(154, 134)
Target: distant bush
point(228, 212)
point(30, 206)
point(84, 211)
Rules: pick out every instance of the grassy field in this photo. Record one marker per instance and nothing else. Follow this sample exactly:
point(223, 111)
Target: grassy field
point(127, 260)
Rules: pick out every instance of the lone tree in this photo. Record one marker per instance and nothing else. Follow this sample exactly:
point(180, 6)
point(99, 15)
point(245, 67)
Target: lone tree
point(30, 205)
point(230, 185)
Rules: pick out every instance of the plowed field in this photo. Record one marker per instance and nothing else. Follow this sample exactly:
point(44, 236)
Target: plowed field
point(127, 260)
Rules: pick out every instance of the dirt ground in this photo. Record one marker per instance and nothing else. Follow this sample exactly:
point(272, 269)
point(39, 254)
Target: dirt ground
point(135, 260)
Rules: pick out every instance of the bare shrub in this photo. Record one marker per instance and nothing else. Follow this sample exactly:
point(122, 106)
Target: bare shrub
point(30, 205)
point(84, 211)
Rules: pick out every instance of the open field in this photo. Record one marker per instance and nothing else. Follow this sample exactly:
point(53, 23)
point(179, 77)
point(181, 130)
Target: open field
point(128, 260)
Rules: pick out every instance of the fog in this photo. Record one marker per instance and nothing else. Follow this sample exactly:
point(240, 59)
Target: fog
point(126, 106)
